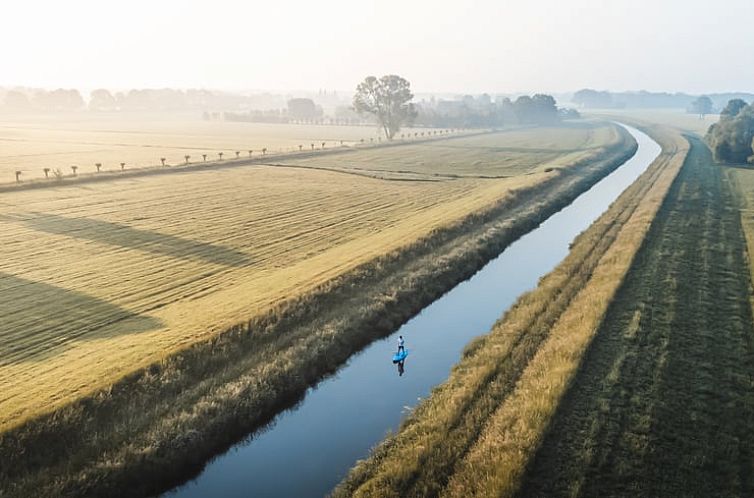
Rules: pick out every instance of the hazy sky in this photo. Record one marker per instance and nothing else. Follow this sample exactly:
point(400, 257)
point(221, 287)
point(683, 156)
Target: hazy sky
point(455, 46)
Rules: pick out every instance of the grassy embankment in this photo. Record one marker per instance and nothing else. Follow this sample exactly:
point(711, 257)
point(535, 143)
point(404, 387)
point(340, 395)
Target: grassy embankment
point(664, 402)
point(476, 433)
point(741, 178)
point(347, 287)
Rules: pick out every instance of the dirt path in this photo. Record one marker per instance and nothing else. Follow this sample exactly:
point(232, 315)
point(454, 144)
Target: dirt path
point(663, 404)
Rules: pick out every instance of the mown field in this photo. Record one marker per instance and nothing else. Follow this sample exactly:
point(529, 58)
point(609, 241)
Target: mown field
point(664, 404)
point(480, 156)
point(477, 433)
point(97, 280)
point(31, 143)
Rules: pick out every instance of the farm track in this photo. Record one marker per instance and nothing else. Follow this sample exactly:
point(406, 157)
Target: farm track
point(152, 429)
point(663, 404)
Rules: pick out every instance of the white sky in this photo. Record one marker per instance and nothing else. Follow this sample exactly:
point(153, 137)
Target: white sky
point(470, 46)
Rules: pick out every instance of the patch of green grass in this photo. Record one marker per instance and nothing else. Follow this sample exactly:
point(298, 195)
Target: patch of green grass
point(664, 404)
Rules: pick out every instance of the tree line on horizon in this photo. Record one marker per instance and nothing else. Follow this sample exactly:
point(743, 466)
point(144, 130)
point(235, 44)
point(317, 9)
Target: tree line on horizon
point(389, 100)
point(588, 98)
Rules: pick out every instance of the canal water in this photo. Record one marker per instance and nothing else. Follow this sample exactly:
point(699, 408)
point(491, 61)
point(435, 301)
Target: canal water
point(307, 450)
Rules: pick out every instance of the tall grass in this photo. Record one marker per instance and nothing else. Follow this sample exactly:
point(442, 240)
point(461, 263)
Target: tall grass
point(157, 427)
point(475, 434)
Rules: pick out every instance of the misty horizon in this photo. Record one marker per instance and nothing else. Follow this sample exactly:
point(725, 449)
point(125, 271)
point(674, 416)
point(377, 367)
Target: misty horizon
point(441, 47)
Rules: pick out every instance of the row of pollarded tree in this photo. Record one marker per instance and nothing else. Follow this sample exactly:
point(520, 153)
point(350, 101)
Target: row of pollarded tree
point(732, 138)
point(57, 173)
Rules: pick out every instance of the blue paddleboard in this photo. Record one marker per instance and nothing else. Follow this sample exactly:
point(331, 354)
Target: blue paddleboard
point(400, 356)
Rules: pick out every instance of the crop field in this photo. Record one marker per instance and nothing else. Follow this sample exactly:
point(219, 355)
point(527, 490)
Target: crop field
point(480, 156)
point(664, 404)
point(477, 433)
point(100, 279)
point(30, 144)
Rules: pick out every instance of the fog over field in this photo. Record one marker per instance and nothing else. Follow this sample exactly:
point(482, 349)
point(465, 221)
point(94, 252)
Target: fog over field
point(440, 46)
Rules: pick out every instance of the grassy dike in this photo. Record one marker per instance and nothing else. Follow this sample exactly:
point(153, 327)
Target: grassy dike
point(663, 404)
point(159, 426)
point(476, 433)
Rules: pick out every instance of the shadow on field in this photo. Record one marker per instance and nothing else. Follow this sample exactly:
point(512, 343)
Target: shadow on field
point(121, 235)
point(41, 320)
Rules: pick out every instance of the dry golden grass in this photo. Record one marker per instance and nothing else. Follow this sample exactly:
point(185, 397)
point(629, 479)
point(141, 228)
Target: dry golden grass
point(32, 143)
point(509, 153)
point(100, 279)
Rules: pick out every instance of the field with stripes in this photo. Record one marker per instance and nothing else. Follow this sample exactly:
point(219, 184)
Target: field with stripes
point(100, 279)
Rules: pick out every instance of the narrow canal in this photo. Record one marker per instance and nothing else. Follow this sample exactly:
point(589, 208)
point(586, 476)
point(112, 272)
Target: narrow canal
point(307, 450)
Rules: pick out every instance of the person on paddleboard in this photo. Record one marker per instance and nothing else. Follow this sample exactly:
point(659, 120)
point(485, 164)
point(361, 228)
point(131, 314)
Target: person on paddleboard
point(400, 344)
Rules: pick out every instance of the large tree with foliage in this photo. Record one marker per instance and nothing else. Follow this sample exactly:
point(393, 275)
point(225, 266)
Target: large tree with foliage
point(702, 106)
point(539, 109)
point(731, 138)
point(388, 99)
point(732, 109)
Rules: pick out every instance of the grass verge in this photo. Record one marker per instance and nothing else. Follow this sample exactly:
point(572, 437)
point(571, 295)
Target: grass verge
point(663, 404)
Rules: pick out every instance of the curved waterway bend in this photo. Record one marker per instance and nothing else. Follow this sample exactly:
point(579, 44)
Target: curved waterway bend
point(307, 450)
